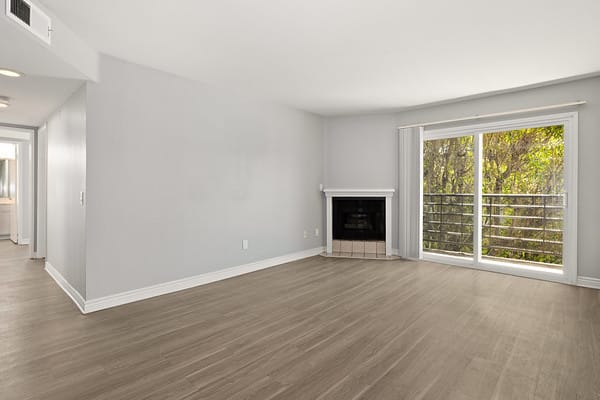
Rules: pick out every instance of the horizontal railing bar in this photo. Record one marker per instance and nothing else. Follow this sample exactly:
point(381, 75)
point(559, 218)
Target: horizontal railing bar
point(495, 194)
point(487, 205)
point(498, 216)
point(468, 223)
point(531, 240)
point(448, 204)
point(526, 206)
point(523, 217)
point(447, 213)
point(447, 223)
point(445, 241)
point(448, 232)
point(528, 251)
point(448, 194)
point(460, 253)
point(522, 228)
point(494, 236)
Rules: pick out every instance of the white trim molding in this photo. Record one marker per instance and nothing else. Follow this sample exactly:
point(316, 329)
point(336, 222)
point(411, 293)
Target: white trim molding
point(89, 306)
point(386, 193)
point(498, 114)
point(359, 192)
point(584, 281)
point(546, 274)
point(66, 287)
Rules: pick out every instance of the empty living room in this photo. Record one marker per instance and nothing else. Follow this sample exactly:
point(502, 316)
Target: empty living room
point(316, 200)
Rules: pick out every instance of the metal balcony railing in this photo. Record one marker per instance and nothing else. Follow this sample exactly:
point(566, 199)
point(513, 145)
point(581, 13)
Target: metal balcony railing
point(523, 227)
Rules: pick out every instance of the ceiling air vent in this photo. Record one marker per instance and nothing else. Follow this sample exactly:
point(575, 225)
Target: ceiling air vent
point(30, 17)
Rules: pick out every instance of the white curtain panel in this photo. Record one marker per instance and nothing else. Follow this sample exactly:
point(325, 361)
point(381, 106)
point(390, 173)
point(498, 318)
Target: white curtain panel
point(410, 192)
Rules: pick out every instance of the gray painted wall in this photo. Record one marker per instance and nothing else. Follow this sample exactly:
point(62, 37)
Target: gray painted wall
point(179, 173)
point(362, 151)
point(66, 135)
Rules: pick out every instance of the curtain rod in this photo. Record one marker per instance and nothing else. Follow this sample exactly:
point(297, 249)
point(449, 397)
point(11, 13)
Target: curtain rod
point(499, 114)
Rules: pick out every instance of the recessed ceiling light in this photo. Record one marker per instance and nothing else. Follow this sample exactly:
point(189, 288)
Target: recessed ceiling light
point(4, 102)
point(10, 73)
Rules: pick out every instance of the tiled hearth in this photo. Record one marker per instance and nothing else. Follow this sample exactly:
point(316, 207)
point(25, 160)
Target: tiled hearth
point(358, 249)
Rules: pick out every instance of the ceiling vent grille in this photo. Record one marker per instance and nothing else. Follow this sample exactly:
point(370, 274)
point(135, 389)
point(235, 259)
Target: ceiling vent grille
point(30, 17)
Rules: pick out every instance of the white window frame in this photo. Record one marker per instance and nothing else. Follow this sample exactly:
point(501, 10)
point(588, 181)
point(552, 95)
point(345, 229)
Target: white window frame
point(569, 120)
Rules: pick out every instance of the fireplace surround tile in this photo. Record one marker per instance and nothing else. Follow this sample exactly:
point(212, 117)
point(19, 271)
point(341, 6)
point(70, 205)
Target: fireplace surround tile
point(345, 246)
point(371, 248)
point(358, 246)
point(337, 246)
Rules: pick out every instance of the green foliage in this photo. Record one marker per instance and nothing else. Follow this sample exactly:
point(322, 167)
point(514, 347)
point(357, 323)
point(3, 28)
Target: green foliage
point(448, 165)
point(524, 161)
point(520, 161)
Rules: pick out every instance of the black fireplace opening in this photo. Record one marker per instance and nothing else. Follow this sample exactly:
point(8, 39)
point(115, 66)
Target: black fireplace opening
point(358, 218)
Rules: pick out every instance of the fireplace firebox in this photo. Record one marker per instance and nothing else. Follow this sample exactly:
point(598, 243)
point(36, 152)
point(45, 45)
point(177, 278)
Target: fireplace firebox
point(358, 218)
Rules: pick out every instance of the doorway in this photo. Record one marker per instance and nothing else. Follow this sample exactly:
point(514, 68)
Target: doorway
point(16, 186)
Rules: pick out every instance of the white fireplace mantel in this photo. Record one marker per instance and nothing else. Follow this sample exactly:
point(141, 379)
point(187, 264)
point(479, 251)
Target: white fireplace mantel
point(359, 192)
point(387, 193)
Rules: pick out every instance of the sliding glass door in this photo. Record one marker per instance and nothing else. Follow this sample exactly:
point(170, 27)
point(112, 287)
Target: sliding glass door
point(495, 195)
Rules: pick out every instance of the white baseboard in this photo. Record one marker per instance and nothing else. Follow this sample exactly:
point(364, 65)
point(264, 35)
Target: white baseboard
point(584, 281)
point(24, 241)
point(396, 252)
point(131, 296)
point(66, 287)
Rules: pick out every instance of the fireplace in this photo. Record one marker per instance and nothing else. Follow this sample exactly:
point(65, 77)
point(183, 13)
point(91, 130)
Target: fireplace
point(359, 223)
point(358, 218)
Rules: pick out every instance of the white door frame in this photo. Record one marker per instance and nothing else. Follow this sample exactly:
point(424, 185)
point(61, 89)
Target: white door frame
point(23, 137)
point(40, 182)
point(570, 122)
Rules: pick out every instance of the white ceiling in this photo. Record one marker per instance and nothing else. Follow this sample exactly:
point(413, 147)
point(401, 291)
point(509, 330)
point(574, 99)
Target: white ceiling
point(342, 56)
point(33, 98)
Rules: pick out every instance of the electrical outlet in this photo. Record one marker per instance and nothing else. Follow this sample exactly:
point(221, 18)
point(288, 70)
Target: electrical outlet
point(245, 244)
point(316, 231)
point(305, 234)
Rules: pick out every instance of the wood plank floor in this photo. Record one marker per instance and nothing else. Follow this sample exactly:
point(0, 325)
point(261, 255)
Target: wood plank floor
point(319, 328)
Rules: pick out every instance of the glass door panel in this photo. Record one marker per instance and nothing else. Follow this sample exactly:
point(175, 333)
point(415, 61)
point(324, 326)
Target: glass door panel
point(448, 187)
point(523, 196)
